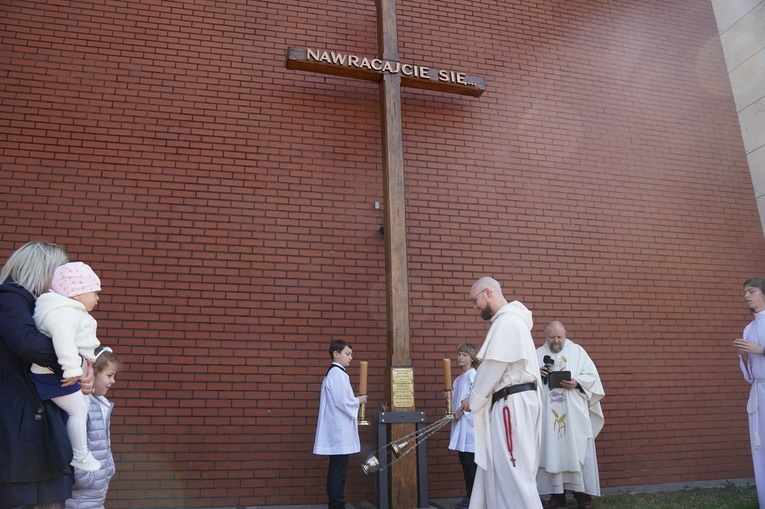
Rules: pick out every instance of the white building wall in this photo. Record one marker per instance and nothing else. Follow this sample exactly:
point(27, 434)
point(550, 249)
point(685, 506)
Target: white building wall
point(741, 24)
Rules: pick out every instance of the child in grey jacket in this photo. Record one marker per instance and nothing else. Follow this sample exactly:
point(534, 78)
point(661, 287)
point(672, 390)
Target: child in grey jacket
point(89, 491)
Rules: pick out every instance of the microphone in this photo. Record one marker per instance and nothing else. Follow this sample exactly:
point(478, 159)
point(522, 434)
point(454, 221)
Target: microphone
point(548, 361)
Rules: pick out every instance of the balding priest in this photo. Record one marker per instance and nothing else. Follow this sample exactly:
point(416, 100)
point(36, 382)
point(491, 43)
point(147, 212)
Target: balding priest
point(506, 404)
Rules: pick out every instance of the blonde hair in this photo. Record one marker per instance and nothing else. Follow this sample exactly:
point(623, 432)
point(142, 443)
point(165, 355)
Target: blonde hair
point(471, 351)
point(33, 264)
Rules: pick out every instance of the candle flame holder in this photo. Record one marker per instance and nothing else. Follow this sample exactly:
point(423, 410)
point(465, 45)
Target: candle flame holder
point(448, 396)
point(363, 415)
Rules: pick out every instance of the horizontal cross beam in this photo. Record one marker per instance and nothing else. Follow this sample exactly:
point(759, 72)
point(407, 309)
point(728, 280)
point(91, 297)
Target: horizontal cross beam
point(414, 76)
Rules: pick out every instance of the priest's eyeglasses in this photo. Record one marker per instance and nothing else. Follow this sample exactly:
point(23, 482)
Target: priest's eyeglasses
point(474, 297)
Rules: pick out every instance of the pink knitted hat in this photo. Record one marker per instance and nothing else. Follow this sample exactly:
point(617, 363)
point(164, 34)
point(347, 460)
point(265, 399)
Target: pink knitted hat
point(75, 278)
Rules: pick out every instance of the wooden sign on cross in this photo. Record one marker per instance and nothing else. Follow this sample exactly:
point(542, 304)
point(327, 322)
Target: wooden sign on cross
point(391, 74)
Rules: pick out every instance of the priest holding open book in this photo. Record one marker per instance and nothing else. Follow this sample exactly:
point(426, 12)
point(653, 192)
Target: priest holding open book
point(571, 419)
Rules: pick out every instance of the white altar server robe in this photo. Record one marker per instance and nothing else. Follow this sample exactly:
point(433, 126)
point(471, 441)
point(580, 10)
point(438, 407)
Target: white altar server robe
point(462, 438)
point(337, 430)
point(754, 373)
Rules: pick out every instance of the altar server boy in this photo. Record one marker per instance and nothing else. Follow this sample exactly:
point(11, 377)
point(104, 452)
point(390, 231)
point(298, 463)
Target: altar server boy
point(337, 431)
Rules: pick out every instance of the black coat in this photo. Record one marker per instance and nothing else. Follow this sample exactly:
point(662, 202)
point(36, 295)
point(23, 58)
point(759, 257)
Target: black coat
point(33, 442)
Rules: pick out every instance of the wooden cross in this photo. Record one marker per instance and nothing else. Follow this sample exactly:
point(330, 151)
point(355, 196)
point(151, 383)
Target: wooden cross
point(391, 74)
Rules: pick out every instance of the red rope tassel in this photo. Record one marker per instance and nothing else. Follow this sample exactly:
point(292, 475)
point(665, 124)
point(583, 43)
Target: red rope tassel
point(508, 432)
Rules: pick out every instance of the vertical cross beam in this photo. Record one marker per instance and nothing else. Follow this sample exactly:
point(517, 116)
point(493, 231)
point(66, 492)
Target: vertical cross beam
point(404, 472)
point(397, 288)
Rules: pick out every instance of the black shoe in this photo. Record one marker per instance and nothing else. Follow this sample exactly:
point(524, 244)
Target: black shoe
point(555, 501)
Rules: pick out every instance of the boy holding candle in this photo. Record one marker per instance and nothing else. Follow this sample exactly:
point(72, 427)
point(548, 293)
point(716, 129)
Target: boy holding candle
point(337, 432)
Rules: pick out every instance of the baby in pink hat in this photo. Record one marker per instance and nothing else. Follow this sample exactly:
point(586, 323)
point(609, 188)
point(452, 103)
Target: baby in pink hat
point(64, 314)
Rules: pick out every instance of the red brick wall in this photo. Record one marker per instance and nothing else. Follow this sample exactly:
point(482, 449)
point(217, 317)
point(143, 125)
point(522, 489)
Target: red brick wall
point(228, 204)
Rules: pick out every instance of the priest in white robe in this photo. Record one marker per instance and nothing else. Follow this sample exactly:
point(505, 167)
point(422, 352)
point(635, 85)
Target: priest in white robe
point(571, 420)
point(506, 401)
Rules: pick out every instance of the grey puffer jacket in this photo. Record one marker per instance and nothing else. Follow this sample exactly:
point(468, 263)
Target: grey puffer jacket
point(90, 488)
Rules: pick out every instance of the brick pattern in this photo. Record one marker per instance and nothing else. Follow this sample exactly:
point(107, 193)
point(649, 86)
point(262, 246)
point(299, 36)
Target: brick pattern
point(227, 204)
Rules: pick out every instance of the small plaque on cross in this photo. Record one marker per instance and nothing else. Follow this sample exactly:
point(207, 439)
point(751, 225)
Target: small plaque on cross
point(402, 385)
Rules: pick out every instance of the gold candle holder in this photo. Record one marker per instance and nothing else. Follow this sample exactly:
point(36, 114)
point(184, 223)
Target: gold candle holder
point(363, 415)
point(364, 368)
point(448, 395)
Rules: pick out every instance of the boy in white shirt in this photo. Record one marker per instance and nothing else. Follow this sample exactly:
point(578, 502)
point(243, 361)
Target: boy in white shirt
point(337, 431)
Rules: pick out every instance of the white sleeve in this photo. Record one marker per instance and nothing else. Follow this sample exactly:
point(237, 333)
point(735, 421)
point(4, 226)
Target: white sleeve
point(63, 328)
point(486, 380)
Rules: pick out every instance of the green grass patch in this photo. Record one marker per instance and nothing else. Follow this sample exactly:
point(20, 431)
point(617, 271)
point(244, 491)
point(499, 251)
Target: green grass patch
point(728, 497)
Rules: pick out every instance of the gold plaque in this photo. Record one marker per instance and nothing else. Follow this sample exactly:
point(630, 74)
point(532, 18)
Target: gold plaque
point(402, 387)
